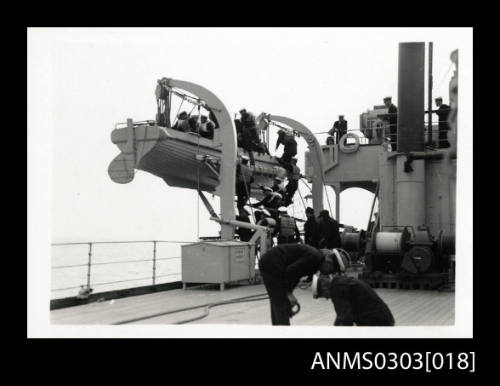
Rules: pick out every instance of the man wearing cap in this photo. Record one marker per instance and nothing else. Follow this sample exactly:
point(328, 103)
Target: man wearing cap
point(286, 228)
point(281, 268)
point(354, 301)
point(271, 201)
point(442, 113)
point(339, 129)
point(311, 229)
point(392, 118)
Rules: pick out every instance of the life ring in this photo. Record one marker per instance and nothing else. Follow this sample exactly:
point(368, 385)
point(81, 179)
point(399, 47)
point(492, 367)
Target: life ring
point(349, 148)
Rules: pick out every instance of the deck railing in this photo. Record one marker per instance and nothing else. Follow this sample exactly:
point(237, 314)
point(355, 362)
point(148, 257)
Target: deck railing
point(154, 259)
point(388, 138)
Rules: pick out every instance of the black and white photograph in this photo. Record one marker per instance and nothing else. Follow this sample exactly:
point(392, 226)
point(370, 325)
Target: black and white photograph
point(250, 182)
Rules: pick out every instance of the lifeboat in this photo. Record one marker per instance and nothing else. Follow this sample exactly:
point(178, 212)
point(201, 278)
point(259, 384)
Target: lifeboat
point(182, 159)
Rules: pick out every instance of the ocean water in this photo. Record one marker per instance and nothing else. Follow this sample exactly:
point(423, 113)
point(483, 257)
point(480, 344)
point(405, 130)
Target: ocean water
point(114, 266)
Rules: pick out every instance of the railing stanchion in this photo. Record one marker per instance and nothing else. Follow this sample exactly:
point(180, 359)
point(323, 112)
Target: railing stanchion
point(154, 262)
point(89, 264)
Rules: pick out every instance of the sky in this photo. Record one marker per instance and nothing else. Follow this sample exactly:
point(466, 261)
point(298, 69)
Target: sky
point(82, 81)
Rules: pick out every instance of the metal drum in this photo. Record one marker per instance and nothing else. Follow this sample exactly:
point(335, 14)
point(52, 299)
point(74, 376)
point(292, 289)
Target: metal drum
point(353, 241)
point(390, 242)
point(446, 243)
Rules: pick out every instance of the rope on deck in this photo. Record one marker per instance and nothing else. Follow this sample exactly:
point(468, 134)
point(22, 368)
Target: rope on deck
point(234, 301)
point(207, 307)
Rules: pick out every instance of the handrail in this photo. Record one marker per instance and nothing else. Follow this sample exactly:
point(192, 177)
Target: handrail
point(115, 262)
point(122, 242)
point(435, 129)
point(384, 136)
point(89, 264)
point(113, 282)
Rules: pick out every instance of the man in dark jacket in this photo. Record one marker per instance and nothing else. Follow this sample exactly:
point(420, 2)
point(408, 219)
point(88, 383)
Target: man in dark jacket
point(392, 118)
point(293, 182)
point(281, 268)
point(311, 233)
point(311, 229)
point(271, 202)
point(249, 137)
point(442, 113)
point(355, 302)
point(329, 231)
point(244, 177)
point(290, 148)
point(339, 129)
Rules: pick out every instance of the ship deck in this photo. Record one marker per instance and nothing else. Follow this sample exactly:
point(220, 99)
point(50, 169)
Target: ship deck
point(409, 307)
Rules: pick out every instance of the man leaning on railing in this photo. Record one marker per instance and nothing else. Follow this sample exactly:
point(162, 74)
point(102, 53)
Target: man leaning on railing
point(442, 112)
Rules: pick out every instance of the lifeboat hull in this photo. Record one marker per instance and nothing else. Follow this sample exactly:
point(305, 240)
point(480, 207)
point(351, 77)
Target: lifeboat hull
point(181, 159)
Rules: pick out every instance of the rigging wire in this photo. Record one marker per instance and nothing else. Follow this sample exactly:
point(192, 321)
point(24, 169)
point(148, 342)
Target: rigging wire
point(328, 200)
point(308, 187)
point(177, 114)
point(192, 99)
point(192, 110)
point(303, 203)
point(326, 193)
point(445, 75)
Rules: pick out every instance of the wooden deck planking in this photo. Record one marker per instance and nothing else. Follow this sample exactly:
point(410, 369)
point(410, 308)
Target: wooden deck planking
point(409, 307)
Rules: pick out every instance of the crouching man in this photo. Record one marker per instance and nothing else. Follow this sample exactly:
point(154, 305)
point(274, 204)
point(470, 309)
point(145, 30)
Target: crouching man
point(355, 302)
point(281, 268)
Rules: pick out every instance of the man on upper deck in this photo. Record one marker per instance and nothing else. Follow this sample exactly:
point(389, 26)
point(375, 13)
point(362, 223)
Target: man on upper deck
point(392, 118)
point(339, 129)
point(442, 112)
